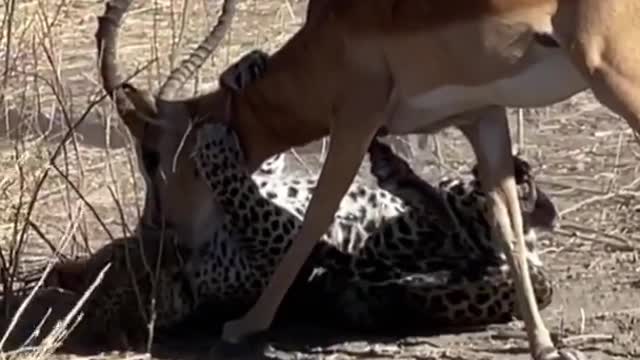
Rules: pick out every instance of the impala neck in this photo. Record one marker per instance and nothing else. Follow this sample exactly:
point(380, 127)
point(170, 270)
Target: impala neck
point(257, 138)
point(291, 104)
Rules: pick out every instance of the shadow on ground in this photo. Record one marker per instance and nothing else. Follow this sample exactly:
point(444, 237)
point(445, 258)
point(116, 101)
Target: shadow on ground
point(293, 335)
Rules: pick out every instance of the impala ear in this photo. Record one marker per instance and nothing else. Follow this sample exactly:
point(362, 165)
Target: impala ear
point(136, 108)
point(68, 275)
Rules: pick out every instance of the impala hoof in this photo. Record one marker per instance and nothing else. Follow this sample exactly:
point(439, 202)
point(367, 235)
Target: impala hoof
point(564, 354)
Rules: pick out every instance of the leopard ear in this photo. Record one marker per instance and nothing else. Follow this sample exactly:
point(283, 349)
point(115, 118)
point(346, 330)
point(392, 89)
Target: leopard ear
point(526, 184)
point(528, 194)
point(545, 214)
point(136, 108)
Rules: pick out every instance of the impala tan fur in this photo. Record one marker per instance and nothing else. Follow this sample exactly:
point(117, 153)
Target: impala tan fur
point(403, 66)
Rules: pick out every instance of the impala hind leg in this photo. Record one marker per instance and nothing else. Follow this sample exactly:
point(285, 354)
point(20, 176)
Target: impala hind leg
point(615, 83)
point(491, 143)
point(603, 40)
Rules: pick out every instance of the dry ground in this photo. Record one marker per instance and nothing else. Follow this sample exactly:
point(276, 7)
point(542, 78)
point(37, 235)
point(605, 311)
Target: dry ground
point(585, 157)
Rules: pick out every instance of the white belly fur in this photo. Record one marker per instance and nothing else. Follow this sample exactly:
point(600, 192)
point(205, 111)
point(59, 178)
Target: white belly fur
point(552, 79)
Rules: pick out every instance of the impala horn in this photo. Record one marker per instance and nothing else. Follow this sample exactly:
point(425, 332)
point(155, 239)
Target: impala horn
point(190, 65)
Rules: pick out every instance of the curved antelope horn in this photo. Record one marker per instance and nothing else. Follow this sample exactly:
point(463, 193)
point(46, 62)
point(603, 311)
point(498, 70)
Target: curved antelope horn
point(190, 65)
point(134, 106)
point(106, 38)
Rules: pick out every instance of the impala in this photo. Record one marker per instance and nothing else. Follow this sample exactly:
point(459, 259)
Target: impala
point(358, 67)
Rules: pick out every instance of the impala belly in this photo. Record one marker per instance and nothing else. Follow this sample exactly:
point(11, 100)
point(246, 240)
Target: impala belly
point(551, 79)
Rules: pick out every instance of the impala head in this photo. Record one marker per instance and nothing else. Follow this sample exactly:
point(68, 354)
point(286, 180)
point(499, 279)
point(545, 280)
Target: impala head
point(163, 128)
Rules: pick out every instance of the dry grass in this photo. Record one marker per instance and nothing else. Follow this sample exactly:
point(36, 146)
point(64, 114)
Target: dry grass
point(67, 165)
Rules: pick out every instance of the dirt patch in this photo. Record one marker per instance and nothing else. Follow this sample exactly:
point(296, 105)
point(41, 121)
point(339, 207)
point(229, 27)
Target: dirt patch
point(584, 156)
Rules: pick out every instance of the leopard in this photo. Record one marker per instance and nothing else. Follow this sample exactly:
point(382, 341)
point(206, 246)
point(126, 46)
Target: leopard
point(429, 255)
point(469, 280)
point(379, 243)
point(426, 252)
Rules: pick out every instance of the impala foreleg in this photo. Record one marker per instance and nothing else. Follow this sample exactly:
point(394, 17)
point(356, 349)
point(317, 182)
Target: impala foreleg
point(347, 147)
point(491, 142)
